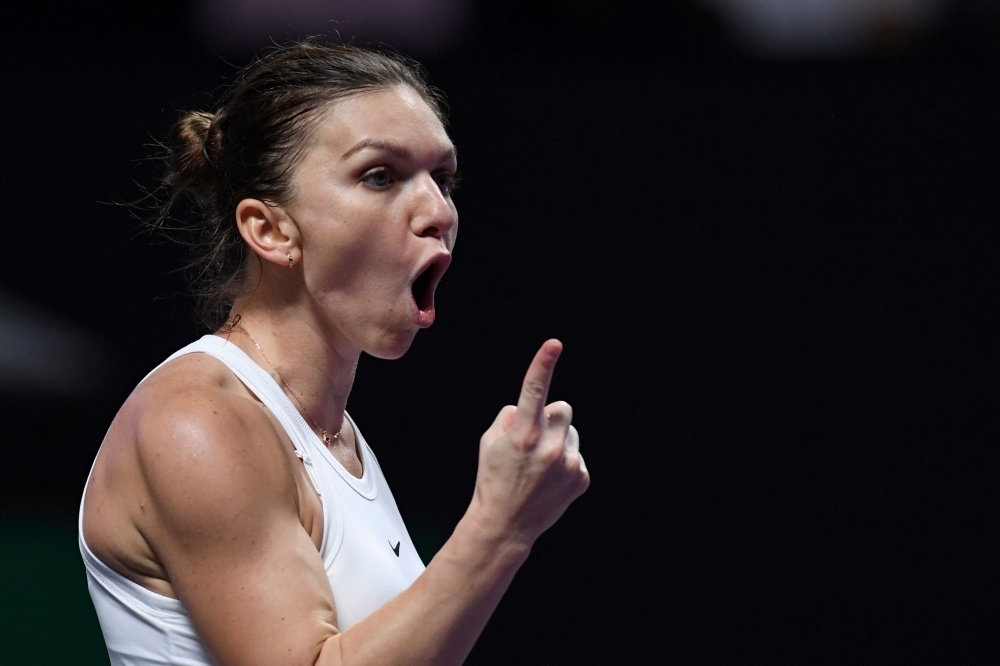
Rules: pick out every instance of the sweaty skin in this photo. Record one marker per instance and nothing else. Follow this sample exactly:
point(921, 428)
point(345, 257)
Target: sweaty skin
point(196, 493)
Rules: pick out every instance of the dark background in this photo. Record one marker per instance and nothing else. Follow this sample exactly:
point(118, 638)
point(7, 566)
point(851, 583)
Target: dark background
point(775, 277)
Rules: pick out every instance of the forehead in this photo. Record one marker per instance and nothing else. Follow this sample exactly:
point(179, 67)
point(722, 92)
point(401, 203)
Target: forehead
point(397, 115)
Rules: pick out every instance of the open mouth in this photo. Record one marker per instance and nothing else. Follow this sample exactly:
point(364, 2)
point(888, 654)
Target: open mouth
point(423, 287)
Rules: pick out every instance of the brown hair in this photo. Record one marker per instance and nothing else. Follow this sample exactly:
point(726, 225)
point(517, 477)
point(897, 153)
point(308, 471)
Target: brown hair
point(248, 146)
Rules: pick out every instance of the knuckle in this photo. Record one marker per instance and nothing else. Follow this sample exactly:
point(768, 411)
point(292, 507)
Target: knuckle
point(553, 455)
point(559, 413)
point(573, 437)
point(534, 388)
point(572, 461)
point(531, 436)
point(563, 408)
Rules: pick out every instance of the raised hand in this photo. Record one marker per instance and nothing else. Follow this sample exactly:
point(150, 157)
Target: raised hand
point(530, 467)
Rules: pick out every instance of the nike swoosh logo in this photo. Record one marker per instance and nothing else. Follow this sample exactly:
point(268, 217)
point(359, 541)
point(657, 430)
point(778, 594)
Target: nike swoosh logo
point(395, 548)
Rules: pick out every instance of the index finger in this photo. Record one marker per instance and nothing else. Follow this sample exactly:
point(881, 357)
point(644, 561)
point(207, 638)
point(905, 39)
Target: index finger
point(535, 389)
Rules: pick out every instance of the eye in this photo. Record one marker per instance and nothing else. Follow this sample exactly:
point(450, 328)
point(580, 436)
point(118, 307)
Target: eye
point(447, 182)
point(379, 177)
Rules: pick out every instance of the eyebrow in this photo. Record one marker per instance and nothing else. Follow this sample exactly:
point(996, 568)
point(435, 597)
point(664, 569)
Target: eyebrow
point(394, 148)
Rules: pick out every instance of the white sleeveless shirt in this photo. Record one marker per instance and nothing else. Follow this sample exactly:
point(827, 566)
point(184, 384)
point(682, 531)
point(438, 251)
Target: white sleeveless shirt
point(366, 550)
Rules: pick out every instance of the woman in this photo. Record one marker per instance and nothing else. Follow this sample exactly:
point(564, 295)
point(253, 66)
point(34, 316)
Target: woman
point(235, 514)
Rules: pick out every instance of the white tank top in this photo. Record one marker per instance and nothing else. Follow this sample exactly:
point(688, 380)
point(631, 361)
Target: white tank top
point(366, 550)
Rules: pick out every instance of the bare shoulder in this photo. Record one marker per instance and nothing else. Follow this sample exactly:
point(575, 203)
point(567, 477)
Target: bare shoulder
point(206, 449)
point(189, 452)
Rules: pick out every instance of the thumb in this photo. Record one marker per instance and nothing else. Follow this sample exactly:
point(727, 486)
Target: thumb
point(500, 424)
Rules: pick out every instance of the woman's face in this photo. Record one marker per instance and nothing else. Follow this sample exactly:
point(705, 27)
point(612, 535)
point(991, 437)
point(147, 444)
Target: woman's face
point(372, 200)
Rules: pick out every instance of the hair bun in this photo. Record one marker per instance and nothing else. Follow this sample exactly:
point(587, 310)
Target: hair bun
point(192, 170)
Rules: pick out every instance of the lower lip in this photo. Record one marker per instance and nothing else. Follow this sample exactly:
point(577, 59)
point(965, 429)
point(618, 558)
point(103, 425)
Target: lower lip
point(422, 318)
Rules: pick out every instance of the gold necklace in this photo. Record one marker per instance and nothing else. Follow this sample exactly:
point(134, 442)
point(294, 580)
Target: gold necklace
point(325, 436)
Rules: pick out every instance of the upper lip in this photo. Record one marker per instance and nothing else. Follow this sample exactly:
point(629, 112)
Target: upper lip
point(438, 263)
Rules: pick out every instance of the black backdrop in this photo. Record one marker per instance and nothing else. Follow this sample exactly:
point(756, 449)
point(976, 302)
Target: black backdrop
point(776, 282)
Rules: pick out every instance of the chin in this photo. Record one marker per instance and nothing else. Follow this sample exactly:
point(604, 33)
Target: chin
point(391, 347)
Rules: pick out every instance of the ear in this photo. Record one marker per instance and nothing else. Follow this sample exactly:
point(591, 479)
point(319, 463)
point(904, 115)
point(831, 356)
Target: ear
point(269, 232)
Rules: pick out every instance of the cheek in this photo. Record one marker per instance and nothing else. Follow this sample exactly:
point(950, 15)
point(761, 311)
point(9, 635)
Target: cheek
point(356, 264)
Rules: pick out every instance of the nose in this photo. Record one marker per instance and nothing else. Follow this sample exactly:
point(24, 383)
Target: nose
point(434, 214)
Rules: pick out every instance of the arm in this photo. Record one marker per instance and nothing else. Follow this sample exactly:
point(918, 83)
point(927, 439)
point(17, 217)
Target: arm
point(253, 581)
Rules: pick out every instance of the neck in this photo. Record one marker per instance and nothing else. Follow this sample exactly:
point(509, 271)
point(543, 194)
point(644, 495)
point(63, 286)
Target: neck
point(299, 354)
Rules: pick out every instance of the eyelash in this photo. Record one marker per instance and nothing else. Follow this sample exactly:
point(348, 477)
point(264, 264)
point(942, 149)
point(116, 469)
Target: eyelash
point(451, 182)
point(447, 182)
point(378, 171)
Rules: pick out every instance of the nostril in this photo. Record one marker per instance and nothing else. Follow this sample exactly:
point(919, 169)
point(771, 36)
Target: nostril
point(431, 231)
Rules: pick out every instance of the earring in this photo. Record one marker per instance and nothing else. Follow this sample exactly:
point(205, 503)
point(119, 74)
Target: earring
point(289, 259)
